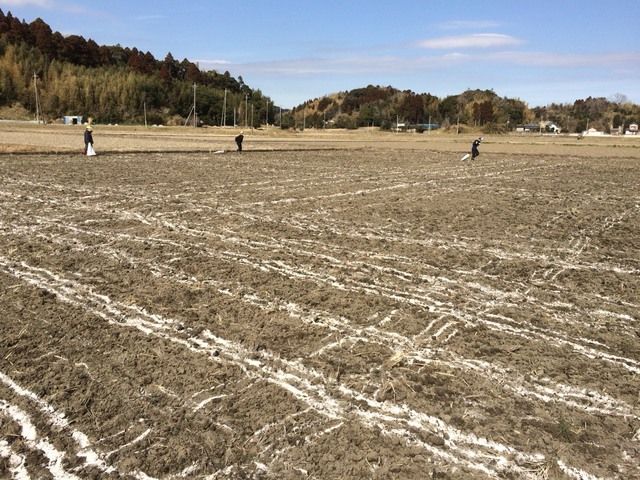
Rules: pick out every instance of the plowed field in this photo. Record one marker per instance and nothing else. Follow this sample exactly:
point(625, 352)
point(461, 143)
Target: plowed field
point(343, 314)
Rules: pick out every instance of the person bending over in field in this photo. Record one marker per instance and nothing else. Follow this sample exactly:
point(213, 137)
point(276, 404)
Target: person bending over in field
point(474, 148)
point(239, 139)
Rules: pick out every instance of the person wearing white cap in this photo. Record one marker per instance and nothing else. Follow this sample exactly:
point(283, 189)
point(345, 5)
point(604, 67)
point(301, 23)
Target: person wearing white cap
point(88, 139)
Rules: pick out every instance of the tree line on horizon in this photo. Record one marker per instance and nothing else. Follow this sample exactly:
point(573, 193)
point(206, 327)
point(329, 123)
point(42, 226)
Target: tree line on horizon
point(115, 84)
point(483, 110)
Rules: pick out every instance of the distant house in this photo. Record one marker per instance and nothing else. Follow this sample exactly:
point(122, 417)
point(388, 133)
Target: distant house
point(528, 127)
point(538, 127)
point(425, 127)
point(552, 127)
point(72, 119)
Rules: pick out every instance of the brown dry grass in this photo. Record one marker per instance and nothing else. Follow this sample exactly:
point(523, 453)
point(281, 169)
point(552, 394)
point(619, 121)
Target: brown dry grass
point(16, 137)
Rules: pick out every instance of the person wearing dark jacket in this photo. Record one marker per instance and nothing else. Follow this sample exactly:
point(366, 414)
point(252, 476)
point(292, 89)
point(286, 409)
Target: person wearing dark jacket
point(239, 139)
point(88, 138)
point(474, 148)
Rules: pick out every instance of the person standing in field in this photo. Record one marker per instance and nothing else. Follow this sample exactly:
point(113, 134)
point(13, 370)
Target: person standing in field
point(474, 148)
point(88, 138)
point(239, 139)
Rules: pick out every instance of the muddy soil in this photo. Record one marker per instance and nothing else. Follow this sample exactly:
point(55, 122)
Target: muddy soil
point(339, 314)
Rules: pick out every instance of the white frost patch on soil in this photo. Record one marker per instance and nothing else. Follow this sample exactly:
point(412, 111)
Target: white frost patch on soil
point(305, 384)
point(30, 437)
point(16, 465)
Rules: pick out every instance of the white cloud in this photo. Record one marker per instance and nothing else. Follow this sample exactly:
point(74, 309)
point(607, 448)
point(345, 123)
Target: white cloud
point(478, 40)
point(24, 3)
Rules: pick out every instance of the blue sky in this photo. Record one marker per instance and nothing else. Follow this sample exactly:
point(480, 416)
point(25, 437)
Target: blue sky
point(539, 51)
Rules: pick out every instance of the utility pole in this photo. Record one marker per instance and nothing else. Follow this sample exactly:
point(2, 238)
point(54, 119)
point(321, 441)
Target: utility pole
point(144, 106)
point(35, 86)
point(267, 117)
point(280, 122)
point(252, 116)
point(304, 118)
point(193, 109)
point(195, 115)
point(429, 124)
point(224, 109)
point(246, 109)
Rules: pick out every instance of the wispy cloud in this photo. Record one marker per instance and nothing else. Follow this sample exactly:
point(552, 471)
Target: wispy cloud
point(66, 6)
point(24, 3)
point(468, 25)
point(477, 40)
point(568, 60)
point(396, 64)
point(302, 67)
point(207, 63)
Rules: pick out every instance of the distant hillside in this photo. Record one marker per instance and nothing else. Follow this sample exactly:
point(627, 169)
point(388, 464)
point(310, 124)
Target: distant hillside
point(477, 109)
point(113, 83)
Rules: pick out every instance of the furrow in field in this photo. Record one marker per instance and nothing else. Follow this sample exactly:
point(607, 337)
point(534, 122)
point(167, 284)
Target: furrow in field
point(91, 458)
point(542, 389)
point(501, 255)
point(305, 384)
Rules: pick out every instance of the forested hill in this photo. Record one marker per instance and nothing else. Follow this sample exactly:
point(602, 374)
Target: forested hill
point(479, 109)
point(76, 76)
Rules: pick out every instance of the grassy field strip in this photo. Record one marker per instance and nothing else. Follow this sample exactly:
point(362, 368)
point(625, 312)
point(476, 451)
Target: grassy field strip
point(538, 388)
point(472, 452)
